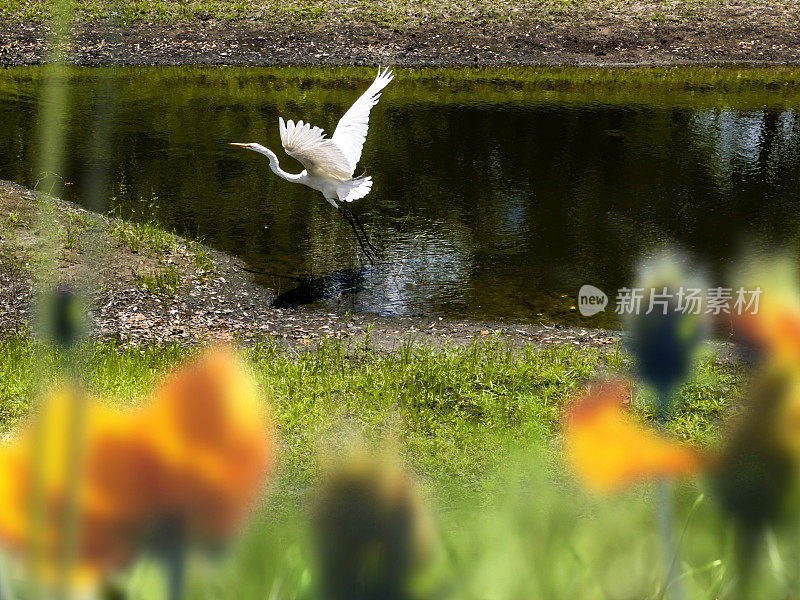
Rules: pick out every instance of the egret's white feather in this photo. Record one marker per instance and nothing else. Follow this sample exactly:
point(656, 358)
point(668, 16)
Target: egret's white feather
point(351, 132)
point(318, 154)
point(354, 189)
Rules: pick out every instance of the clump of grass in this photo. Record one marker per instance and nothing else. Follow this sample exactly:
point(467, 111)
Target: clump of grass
point(201, 258)
point(141, 232)
point(119, 230)
point(154, 238)
point(12, 220)
point(143, 237)
point(163, 281)
point(76, 225)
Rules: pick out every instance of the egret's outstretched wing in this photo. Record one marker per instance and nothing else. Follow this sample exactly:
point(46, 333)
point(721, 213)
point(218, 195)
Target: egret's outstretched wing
point(318, 154)
point(351, 132)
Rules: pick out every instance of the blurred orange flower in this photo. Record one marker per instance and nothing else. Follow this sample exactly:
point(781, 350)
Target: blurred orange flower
point(199, 453)
point(608, 450)
point(775, 325)
point(209, 430)
point(774, 328)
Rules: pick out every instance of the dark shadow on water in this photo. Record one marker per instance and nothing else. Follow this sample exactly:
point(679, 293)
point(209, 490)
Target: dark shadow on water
point(338, 284)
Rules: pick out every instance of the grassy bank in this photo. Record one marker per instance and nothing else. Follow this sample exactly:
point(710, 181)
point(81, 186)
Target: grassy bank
point(456, 413)
point(696, 88)
point(479, 425)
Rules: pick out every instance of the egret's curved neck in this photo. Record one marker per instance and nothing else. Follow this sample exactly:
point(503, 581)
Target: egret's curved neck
point(273, 163)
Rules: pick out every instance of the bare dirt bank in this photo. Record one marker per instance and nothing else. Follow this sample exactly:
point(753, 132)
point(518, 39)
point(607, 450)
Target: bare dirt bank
point(603, 33)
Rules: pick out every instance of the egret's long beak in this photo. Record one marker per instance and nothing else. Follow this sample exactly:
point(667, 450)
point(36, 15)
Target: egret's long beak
point(238, 144)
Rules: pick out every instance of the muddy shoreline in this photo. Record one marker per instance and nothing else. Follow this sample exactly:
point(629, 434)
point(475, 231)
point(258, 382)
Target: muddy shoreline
point(634, 34)
point(215, 299)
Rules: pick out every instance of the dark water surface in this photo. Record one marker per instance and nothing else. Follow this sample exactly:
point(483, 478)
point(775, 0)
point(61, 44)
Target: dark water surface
point(496, 193)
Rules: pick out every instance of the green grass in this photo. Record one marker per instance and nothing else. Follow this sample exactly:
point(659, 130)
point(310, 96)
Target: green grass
point(12, 221)
point(201, 258)
point(457, 413)
point(163, 281)
point(123, 233)
point(480, 427)
point(73, 229)
point(136, 10)
point(695, 87)
point(140, 231)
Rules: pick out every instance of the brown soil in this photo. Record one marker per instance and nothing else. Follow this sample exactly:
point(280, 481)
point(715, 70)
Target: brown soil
point(215, 301)
point(609, 34)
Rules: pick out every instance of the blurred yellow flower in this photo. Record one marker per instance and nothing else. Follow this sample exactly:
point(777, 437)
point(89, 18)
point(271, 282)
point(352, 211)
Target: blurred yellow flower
point(787, 419)
point(41, 461)
point(14, 478)
point(198, 454)
point(608, 450)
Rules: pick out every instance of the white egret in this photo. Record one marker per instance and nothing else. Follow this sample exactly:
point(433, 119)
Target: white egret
point(330, 162)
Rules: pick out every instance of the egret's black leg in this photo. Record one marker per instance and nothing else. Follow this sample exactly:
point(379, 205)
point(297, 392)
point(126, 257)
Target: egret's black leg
point(363, 242)
point(363, 231)
point(367, 244)
point(361, 227)
point(364, 248)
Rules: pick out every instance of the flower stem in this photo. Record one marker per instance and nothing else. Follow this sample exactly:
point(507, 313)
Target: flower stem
point(666, 526)
point(665, 533)
point(170, 548)
point(5, 588)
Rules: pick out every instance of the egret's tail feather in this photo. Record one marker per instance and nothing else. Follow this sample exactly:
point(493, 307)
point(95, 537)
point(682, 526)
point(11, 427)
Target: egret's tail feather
point(354, 189)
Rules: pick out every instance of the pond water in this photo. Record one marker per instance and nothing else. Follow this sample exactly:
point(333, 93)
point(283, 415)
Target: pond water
point(497, 193)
